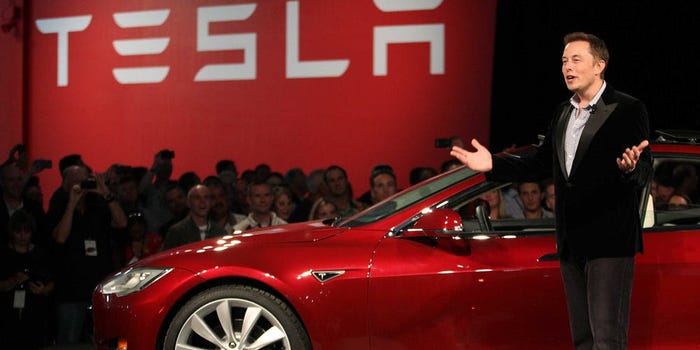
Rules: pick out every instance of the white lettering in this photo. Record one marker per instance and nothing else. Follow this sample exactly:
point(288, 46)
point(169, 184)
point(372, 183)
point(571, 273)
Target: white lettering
point(308, 69)
point(62, 26)
point(208, 42)
point(431, 33)
point(406, 5)
point(148, 46)
point(152, 18)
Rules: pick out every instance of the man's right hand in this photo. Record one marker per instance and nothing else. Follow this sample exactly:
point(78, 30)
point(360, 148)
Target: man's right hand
point(480, 160)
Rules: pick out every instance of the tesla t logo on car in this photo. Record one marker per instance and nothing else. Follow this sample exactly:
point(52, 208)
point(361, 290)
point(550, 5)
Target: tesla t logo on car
point(325, 276)
point(383, 36)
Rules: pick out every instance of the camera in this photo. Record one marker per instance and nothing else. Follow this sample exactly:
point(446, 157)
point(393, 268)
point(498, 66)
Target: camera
point(443, 143)
point(166, 154)
point(42, 164)
point(89, 184)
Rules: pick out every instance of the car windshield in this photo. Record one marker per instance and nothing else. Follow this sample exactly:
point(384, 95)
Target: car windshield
point(407, 198)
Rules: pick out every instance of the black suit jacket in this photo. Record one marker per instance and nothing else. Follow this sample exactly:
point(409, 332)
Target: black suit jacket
point(186, 231)
point(597, 205)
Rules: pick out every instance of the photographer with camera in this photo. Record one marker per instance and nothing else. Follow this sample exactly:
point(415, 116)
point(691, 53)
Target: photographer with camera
point(87, 218)
point(153, 187)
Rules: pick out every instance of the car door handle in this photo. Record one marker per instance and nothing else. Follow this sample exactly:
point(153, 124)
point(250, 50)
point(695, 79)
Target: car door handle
point(548, 257)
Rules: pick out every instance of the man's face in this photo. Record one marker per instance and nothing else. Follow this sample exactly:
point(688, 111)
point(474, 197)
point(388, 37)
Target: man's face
point(530, 195)
point(74, 176)
point(219, 202)
point(128, 192)
point(579, 67)
point(12, 182)
point(337, 183)
point(260, 199)
point(199, 201)
point(550, 197)
point(176, 201)
point(383, 186)
point(164, 169)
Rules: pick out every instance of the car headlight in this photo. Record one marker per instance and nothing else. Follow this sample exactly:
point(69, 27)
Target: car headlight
point(133, 280)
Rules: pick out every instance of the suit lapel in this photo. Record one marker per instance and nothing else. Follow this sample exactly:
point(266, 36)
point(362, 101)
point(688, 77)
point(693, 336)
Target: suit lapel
point(560, 137)
point(595, 121)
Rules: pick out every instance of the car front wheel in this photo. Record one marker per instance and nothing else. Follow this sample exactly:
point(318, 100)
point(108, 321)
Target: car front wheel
point(236, 317)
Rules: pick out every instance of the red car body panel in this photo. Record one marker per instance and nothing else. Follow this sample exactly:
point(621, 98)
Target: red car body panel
point(414, 291)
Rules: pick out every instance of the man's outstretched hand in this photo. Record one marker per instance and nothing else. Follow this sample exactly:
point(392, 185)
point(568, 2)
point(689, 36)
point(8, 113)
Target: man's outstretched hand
point(480, 160)
point(630, 157)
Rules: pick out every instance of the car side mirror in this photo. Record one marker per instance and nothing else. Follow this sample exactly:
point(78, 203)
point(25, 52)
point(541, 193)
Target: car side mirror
point(440, 220)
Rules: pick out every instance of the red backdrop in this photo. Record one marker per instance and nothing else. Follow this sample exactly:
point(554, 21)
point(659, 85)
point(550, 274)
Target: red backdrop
point(258, 109)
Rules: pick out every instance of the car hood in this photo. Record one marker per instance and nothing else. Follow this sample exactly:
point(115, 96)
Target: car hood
point(277, 235)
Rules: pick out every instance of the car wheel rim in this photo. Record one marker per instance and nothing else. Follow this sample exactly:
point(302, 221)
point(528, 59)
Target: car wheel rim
point(232, 324)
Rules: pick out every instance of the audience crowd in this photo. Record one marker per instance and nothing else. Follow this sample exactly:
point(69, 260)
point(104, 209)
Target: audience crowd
point(97, 222)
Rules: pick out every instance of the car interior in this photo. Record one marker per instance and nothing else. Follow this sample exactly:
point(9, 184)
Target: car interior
point(678, 174)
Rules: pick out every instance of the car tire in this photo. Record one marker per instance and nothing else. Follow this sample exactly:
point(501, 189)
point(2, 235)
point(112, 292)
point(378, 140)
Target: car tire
point(221, 316)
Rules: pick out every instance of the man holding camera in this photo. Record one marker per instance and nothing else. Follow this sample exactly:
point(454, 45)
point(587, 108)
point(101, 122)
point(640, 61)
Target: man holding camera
point(86, 215)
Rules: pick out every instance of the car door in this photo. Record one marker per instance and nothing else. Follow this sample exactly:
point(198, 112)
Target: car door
point(665, 310)
point(502, 290)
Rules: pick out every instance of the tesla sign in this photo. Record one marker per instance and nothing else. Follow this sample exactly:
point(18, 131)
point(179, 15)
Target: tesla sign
point(244, 80)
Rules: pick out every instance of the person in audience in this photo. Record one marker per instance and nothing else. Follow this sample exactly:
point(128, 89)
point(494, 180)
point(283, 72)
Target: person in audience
point(241, 194)
point(260, 200)
point(685, 180)
point(496, 208)
point(275, 179)
point(549, 195)
point(283, 205)
point(176, 200)
point(420, 174)
point(26, 287)
point(196, 226)
point(678, 202)
point(296, 180)
point(86, 219)
point(127, 191)
point(662, 187)
point(316, 189)
point(188, 179)
point(140, 242)
point(382, 184)
point(323, 209)
point(531, 195)
point(152, 188)
point(449, 165)
point(220, 213)
point(262, 172)
point(340, 192)
point(11, 192)
point(227, 172)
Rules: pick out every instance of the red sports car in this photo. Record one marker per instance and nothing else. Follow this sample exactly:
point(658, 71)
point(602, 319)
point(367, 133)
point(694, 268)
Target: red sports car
point(426, 268)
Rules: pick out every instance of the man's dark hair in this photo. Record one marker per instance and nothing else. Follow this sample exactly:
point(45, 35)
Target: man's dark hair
point(598, 48)
point(213, 181)
point(224, 165)
point(331, 168)
point(379, 170)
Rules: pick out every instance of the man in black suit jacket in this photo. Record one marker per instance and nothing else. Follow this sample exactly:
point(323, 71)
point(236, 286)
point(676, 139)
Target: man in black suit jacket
point(196, 226)
point(595, 152)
